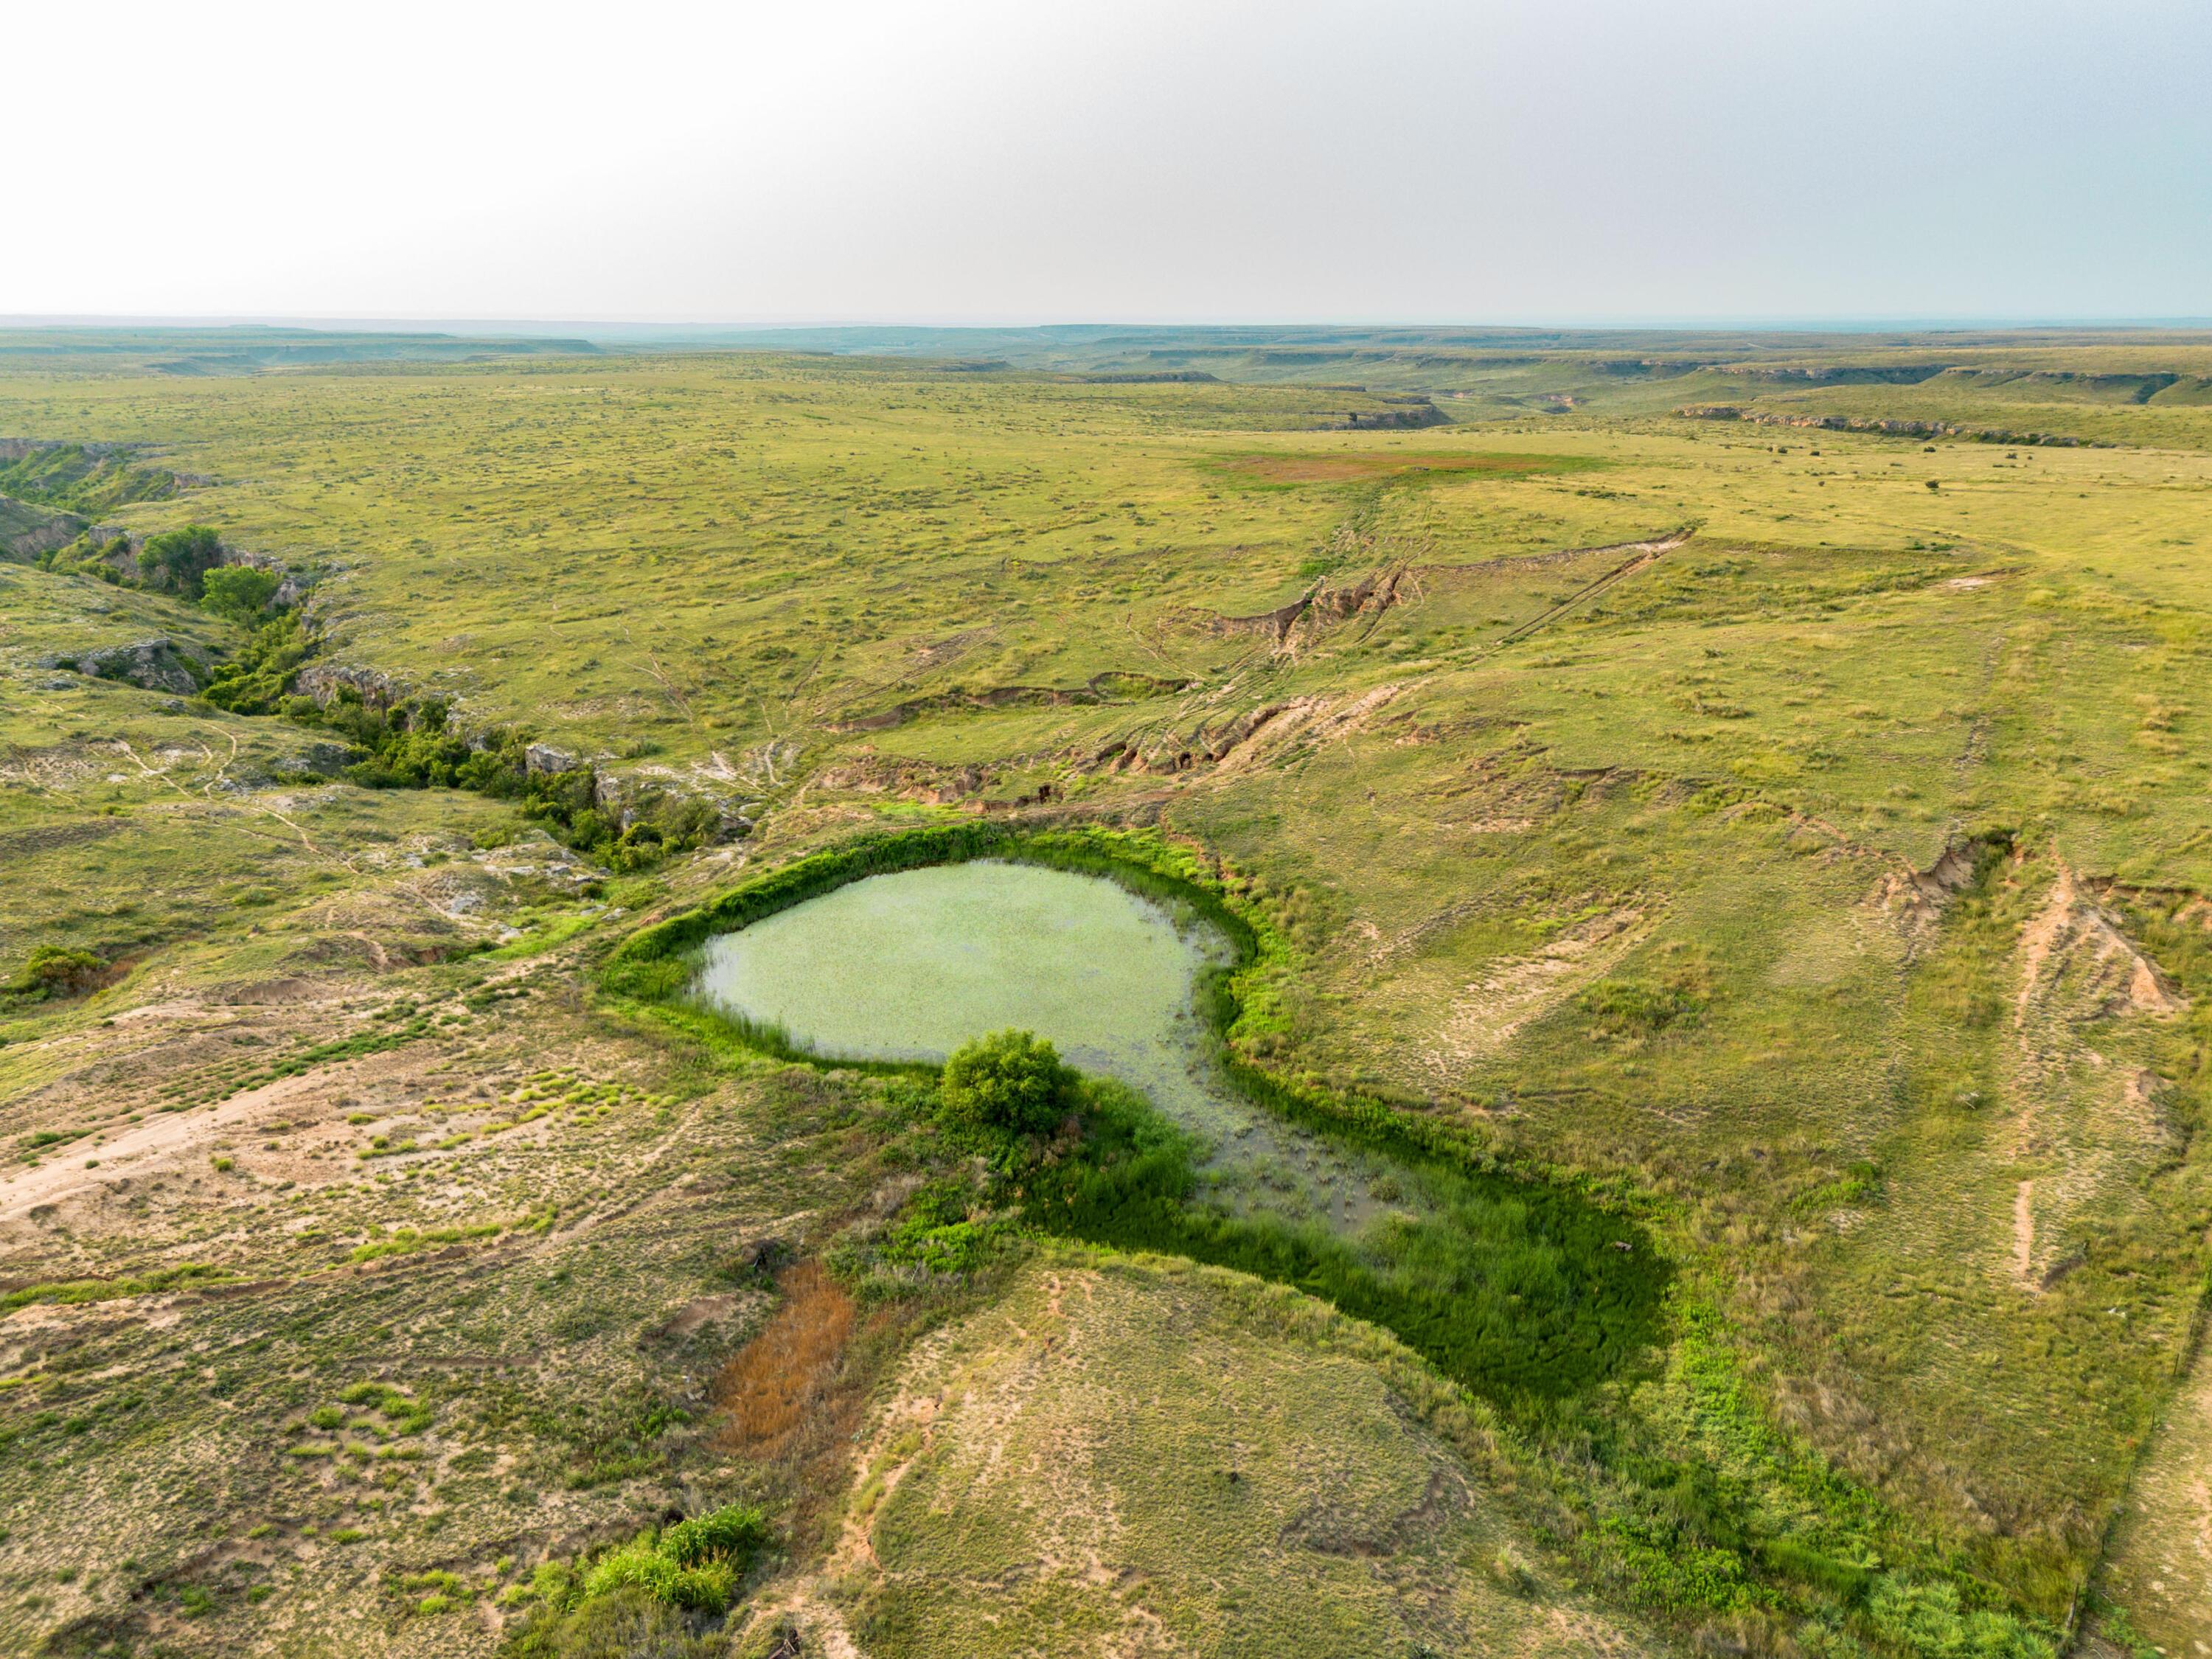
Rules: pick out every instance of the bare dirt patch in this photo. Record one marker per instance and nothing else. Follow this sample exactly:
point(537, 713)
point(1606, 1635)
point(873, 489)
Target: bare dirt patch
point(1491, 1010)
point(2109, 975)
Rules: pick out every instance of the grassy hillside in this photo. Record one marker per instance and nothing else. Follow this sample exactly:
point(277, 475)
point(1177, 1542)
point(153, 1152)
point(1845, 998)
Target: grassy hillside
point(1792, 833)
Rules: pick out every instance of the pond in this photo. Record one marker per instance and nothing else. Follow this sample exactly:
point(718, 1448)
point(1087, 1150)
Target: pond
point(910, 966)
point(1508, 1286)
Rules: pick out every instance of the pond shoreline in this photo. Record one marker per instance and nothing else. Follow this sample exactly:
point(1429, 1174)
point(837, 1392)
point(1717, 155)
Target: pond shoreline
point(1623, 1276)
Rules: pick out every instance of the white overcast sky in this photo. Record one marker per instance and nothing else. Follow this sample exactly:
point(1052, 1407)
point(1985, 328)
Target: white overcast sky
point(1014, 161)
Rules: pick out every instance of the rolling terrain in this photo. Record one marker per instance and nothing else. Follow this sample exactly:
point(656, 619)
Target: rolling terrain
point(1756, 785)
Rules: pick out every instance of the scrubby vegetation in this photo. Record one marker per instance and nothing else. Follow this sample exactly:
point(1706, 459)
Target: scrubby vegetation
point(1633, 827)
point(259, 677)
point(649, 1595)
point(1009, 1084)
point(412, 743)
point(179, 559)
point(55, 970)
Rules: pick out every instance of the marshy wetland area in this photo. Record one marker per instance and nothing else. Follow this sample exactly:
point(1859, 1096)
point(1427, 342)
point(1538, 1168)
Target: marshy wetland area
point(1122, 992)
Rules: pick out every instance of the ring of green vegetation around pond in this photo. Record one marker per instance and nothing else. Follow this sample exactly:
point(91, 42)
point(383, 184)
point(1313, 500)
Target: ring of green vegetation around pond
point(910, 965)
point(1600, 1392)
point(1512, 1285)
point(907, 966)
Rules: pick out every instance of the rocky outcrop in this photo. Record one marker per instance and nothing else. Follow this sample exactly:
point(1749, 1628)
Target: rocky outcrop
point(1325, 602)
point(1983, 434)
point(320, 760)
point(27, 531)
point(1148, 377)
point(1835, 374)
point(158, 664)
point(1405, 413)
point(324, 680)
point(624, 801)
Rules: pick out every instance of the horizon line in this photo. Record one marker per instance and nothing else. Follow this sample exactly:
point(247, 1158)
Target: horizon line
point(395, 322)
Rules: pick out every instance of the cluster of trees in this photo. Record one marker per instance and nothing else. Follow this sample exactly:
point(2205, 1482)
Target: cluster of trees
point(413, 743)
point(188, 562)
point(179, 559)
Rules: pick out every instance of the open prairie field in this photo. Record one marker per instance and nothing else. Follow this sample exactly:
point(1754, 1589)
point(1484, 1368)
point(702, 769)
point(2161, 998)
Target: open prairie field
point(1750, 795)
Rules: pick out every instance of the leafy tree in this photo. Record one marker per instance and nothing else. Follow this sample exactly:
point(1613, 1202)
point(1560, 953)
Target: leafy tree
point(240, 591)
point(1011, 1081)
point(181, 558)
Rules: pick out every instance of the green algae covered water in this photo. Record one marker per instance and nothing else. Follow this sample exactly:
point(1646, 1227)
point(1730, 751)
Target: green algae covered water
point(910, 966)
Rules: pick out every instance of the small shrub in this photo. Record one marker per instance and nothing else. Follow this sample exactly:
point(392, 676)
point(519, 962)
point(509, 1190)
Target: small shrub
point(1011, 1082)
point(733, 1532)
point(693, 1566)
point(55, 970)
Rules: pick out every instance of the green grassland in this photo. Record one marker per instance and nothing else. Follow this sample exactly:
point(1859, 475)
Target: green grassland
point(1796, 833)
point(1191, 1430)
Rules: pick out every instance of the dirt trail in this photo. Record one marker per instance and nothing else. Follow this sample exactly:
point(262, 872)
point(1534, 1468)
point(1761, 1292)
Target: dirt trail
point(1491, 1010)
point(1322, 719)
point(66, 1176)
point(2083, 1124)
point(1641, 556)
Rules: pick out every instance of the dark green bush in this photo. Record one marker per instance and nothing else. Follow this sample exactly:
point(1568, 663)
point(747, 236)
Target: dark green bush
point(180, 559)
point(240, 592)
point(55, 970)
point(91, 555)
point(1011, 1083)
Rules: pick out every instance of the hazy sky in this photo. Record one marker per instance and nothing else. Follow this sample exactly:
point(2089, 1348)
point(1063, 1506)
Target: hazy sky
point(1129, 159)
